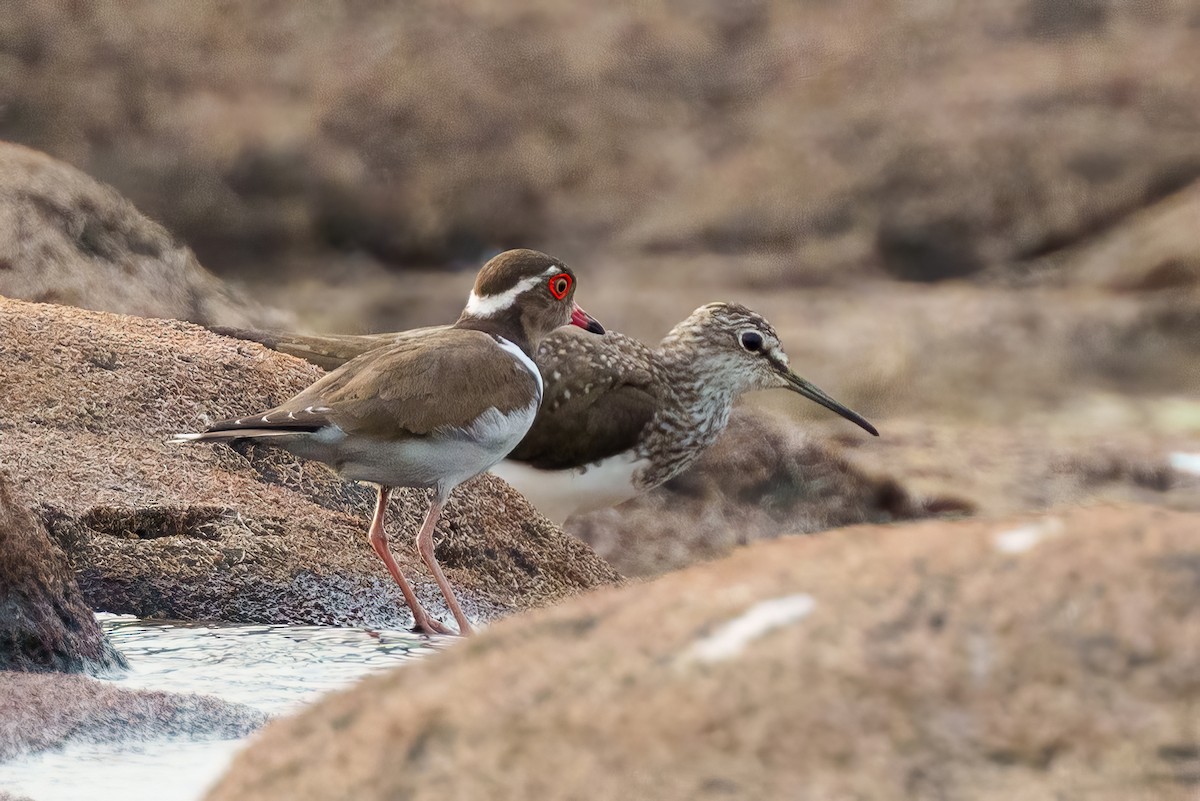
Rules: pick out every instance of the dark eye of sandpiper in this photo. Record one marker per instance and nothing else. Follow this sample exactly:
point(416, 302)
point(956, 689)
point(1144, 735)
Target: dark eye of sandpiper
point(752, 341)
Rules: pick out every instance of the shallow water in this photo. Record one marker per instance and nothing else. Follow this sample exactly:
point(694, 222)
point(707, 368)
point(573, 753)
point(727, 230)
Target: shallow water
point(274, 668)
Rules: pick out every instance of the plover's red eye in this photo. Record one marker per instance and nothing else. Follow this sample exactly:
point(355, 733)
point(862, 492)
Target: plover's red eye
point(560, 285)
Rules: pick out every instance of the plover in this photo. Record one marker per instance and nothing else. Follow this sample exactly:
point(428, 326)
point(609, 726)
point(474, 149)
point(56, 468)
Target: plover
point(433, 408)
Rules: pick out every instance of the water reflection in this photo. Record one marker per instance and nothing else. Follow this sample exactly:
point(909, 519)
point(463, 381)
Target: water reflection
point(273, 668)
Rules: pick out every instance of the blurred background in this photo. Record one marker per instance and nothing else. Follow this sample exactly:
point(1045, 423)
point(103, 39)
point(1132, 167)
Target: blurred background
point(978, 223)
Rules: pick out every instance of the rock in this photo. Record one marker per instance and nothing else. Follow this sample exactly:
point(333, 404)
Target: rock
point(66, 238)
point(963, 447)
point(1154, 249)
point(38, 712)
point(762, 479)
point(1056, 18)
point(767, 478)
point(44, 623)
point(1048, 657)
point(205, 532)
point(918, 142)
point(1098, 450)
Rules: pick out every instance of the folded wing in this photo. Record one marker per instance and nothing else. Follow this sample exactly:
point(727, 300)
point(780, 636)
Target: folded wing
point(449, 378)
point(599, 397)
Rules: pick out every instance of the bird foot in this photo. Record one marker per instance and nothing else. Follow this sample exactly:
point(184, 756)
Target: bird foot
point(428, 625)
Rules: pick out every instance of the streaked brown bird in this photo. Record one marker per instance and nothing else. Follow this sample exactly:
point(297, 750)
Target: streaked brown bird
point(433, 408)
point(619, 418)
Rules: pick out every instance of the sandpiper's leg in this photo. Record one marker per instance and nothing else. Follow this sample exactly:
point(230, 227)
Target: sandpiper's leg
point(422, 622)
point(425, 547)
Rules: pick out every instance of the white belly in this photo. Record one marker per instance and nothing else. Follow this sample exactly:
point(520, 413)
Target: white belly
point(558, 494)
point(443, 459)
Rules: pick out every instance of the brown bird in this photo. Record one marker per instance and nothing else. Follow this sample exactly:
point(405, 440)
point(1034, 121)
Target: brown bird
point(433, 409)
point(620, 418)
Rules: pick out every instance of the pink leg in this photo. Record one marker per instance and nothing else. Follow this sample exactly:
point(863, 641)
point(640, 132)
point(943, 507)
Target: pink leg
point(422, 622)
point(425, 547)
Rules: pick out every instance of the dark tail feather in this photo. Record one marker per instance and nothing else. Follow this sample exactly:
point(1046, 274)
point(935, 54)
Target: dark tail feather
point(232, 430)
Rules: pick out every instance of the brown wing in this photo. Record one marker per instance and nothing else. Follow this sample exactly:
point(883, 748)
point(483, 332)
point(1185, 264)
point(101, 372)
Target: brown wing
point(444, 378)
point(599, 397)
point(327, 351)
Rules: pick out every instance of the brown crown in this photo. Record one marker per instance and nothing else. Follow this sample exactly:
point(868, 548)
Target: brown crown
point(503, 271)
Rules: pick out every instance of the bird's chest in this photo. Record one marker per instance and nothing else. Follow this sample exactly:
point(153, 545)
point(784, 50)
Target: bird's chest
point(676, 440)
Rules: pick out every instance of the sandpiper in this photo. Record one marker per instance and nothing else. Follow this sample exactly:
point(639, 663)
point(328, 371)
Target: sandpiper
point(619, 418)
point(432, 409)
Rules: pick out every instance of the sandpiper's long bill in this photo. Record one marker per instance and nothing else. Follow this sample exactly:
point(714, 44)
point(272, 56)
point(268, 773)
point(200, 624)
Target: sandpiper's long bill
point(818, 395)
point(432, 409)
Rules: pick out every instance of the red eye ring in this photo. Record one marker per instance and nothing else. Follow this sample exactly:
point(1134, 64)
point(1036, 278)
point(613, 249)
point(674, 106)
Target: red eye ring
point(560, 285)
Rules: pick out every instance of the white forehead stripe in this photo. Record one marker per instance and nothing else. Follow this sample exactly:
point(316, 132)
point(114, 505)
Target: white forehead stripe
point(486, 307)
